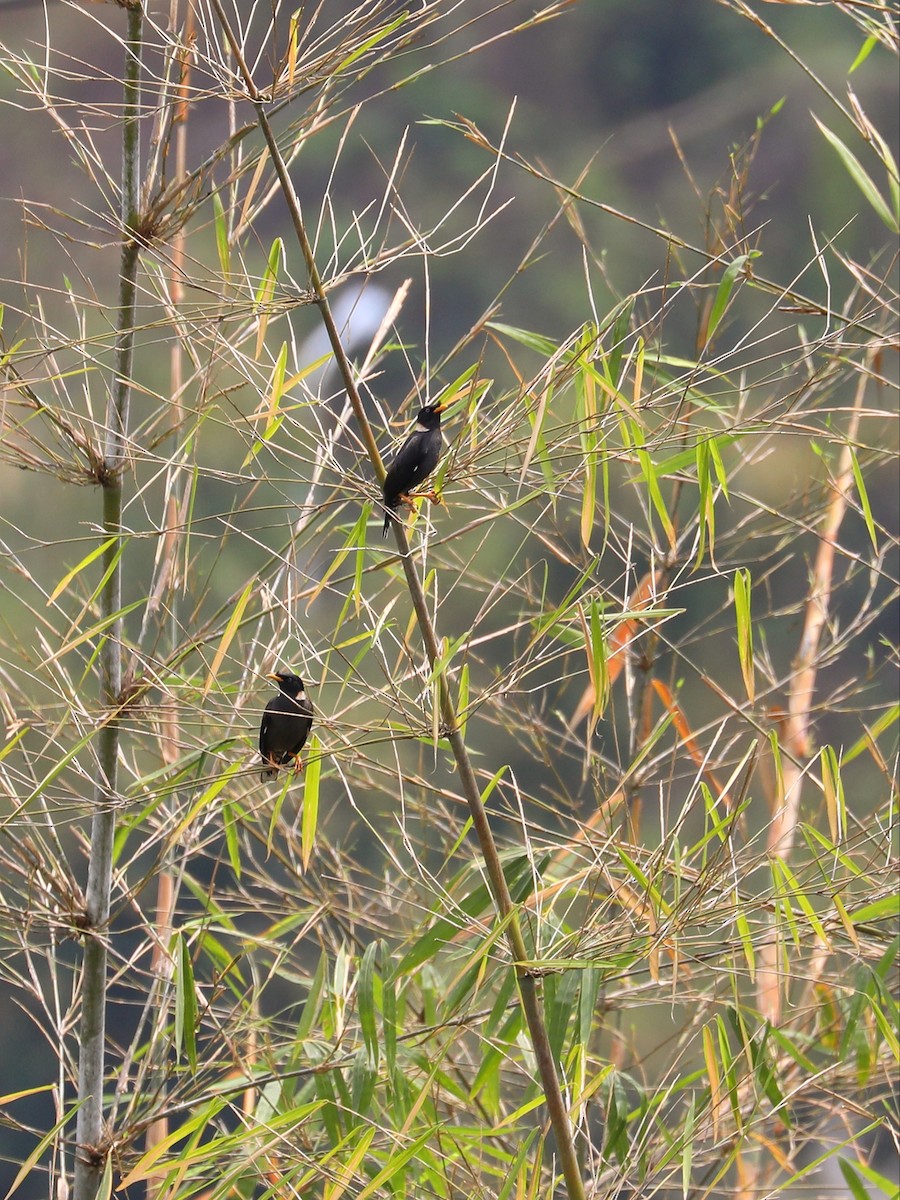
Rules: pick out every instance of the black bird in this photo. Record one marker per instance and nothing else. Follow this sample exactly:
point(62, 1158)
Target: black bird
point(416, 459)
point(285, 725)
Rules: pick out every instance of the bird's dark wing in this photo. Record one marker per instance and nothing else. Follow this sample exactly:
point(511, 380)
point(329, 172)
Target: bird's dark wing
point(416, 459)
point(402, 473)
point(283, 731)
point(304, 724)
point(265, 742)
point(264, 729)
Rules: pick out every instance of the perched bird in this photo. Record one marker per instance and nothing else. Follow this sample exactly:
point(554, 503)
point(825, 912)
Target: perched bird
point(285, 725)
point(415, 460)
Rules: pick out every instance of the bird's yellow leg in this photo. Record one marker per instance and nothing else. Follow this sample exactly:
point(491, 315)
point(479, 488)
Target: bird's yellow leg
point(412, 497)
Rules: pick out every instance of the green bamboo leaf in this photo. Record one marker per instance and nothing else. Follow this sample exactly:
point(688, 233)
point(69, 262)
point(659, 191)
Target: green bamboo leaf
point(762, 1063)
point(313, 1002)
point(878, 910)
point(185, 1002)
point(617, 1109)
point(805, 905)
point(360, 557)
point(715, 452)
point(104, 1190)
point(861, 178)
point(232, 842)
point(487, 1087)
point(310, 801)
point(560, 1003)
point(209, 794)
point(389, 1023)
point(619, 334)
point(743, 928)
point(95, 630)
point(788, 1186)
point(223, 246)
point(274, 415)
point(718, 824)
point(207, 1147)
point(365, 1002)
point(687, 1153)
point(536, 420)
point(224, 959)
point(676, 464)
point(276, 391)
point(777, 763)
point(448, 648)
point(266, 291)
point(338, 1168)
point(742, 595)
point(511, 1120)
point(887, 720)
point(598, 658)
point(649, 472)
point(644, 882)
point(589, 987)
point(391, 1171)
point(783, 906)
point(546, 347)
point(888, 1029)
point(853, 1181)
point(735, 269)
point(864, 499)
point(521, 1172)
point(8, 749)
point(362, 1081)
point(520, 881)
point(492, 783)
point(86, 561)
point(537, 445)
point(231, 629)
point(727, 1059)
point(378, 36)
point(500, 1013)
point(833, 788)
point(344, 1171)
point(864, 51)
point(886, 1187)
point(37, 1153)
point(706, 513)
point(462, 703)
point(572, 598)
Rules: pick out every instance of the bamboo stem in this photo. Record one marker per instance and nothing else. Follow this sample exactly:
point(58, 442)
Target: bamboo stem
point(528, 988)
point(91, 1151)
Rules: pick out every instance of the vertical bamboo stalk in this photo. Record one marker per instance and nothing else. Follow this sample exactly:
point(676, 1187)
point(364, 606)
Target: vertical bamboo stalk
point(169, 577)
point(529, 992)
point(90, 1151)
point(797, 740)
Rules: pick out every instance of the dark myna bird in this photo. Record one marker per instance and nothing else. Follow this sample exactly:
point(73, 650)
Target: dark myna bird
point(285, 725)
point(416, 459)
